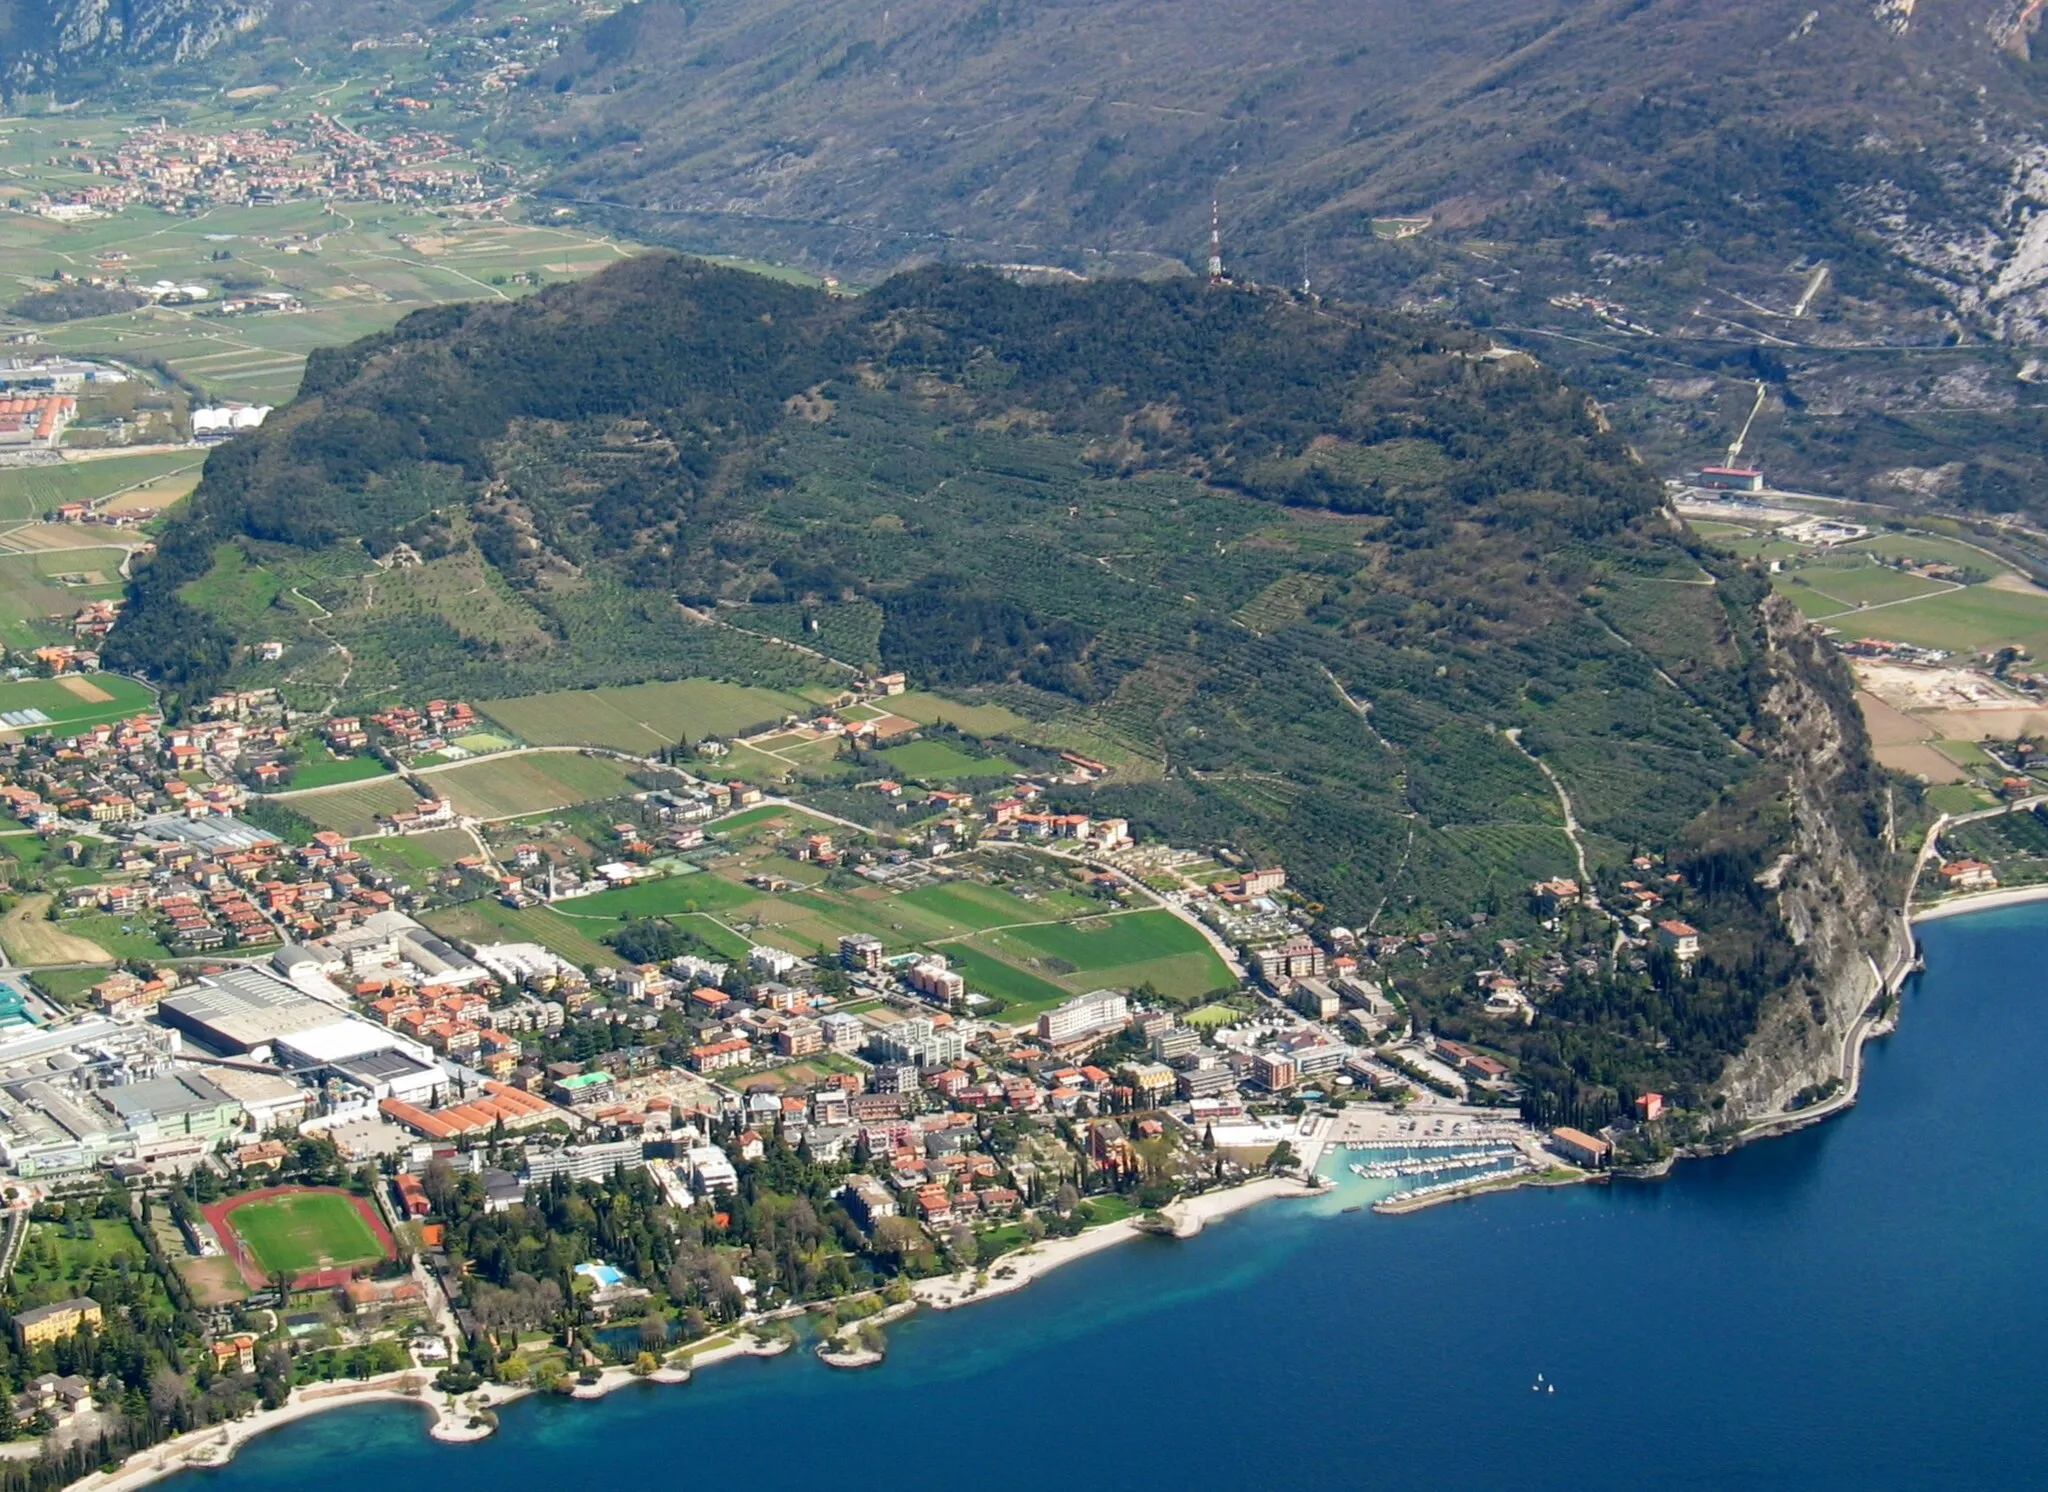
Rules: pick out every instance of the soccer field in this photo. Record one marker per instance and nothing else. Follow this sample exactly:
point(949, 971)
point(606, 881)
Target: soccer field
point(293, 1232)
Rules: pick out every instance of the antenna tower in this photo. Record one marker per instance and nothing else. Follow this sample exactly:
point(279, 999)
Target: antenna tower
point(1215, 242)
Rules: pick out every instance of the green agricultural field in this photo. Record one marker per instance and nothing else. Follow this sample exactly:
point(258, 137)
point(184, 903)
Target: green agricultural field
point(300, 1231)
point(122, 937)
point(1023, 994)
point(1929, 548)
point(713, 934)
point(641, 717)
point(1965, 621)
point(1846, 588)
point(31, 491)
point(74, 702)
point(409, 854)
point(1121, 952)
point(1110, 942)
point(334, 772)
point(354, 810)
point(40, 592)
point(1958, 797)
point(936, 709)
point(941, 761)
point(747, 819)
point(670, 896)
point(494, 922)
point(362, 280)
point(509, 786)
point(976, 907)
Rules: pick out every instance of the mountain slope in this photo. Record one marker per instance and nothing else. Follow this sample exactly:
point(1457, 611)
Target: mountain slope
point(1021, 129)
point(1319, 580)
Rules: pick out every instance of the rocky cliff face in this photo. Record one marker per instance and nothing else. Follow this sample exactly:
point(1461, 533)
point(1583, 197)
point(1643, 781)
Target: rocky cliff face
point(1837, 887)
point(48, 39)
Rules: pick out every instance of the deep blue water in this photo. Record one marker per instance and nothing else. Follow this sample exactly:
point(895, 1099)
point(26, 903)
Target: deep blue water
point(1860, 1306)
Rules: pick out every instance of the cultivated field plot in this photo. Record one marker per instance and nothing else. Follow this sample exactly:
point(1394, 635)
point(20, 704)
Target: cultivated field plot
point(409, 854)
point(154, 497)
point(39, 593)
point(1931, 549)
point(72, 703)
point(641, 717)
point(335, 772)
point(299, 1231)
point(30, 938)
point(976, 907)
point(1963, 621)
point(1120, 951)
point(1825, 592)
point(1023, 995)
point(941, 761)
point(354, 810)
point(32, 491)
point(375, 262)
point(663, 898)
point(510, 786)
point(494, 922)
point(935, 709)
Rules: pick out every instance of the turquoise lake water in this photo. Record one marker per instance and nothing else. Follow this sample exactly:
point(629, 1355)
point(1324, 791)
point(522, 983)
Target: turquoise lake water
point(1860, 1305)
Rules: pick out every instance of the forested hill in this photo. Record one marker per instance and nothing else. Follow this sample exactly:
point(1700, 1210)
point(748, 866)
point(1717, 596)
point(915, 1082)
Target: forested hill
point(1320, 581)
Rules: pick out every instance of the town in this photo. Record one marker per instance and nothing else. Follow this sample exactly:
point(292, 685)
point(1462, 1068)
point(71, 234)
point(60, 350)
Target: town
point(319, 157)
point(237, 1045)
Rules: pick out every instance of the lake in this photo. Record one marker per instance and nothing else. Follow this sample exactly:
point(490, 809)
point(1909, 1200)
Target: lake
point(1858, 1306)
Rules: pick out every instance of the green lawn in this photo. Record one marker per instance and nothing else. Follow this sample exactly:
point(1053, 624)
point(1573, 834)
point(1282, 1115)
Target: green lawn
point(942, 761)
point(40, 591)
point(1122, 952)
point(54, 1266)
point(713, 934)
point(31, 491)
point(300, 1231)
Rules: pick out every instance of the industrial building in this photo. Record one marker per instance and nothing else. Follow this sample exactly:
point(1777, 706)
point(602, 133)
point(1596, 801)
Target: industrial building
point(241, 1012)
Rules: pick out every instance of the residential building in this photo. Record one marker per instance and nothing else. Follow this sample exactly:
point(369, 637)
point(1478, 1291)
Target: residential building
point(56, 1321)
point(1085, 1018)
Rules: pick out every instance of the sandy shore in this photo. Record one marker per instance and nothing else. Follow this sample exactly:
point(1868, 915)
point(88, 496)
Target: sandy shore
point(1014, 1271)
point(1981, 901)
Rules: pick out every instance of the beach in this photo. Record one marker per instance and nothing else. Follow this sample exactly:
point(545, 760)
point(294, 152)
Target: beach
point(1981, 901)
point(1014, 1271)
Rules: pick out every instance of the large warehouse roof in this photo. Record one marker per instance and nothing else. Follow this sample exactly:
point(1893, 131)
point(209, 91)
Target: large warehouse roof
point(240, 1009)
